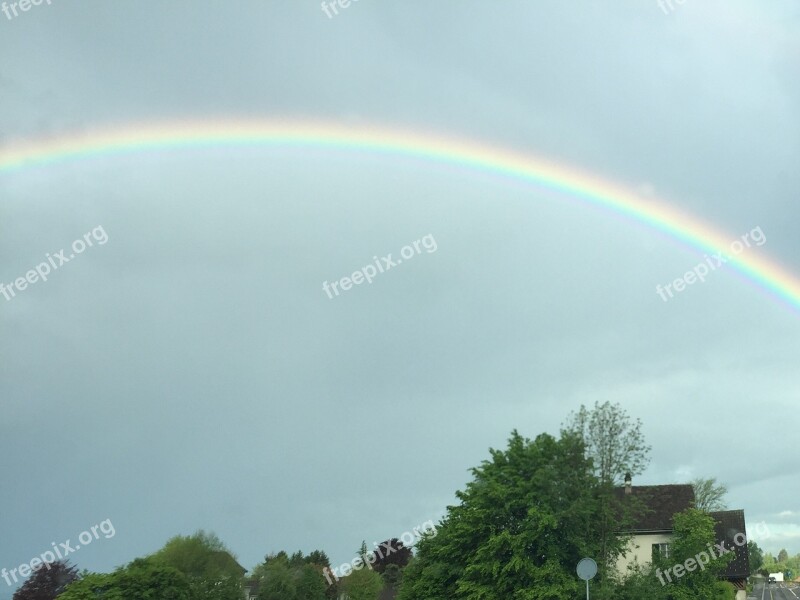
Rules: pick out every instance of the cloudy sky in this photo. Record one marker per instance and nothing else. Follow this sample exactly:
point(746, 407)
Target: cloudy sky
point(191, 372)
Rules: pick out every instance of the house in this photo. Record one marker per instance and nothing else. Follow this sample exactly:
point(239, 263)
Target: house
point(251, 589)
point(651, 531)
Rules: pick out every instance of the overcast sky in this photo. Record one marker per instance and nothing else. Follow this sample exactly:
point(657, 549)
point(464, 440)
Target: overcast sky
point(190, 372)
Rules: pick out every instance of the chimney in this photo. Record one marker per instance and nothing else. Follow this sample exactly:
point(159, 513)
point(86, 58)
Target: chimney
point(628, 488)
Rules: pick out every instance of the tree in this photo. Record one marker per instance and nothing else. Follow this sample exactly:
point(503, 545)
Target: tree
point(756, 556)
point(640, 583)
point(613, 441)
point(277, 582)
point(522, 524)
point(362, 552)
point(222, 589)
point(310, 583)
point(201, 555)
point(294, 577)
point(390, 552)
point(318, 557)
point(363, 584)
point(783, 556)
point(616, 447)
point(91, 586)
point(392, 577)
point(47, 582)
point(709, 495)
point(143, 579)
point(212, 571)
point(693, 532)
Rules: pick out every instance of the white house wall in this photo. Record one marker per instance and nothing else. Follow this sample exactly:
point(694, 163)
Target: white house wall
point(640, 550)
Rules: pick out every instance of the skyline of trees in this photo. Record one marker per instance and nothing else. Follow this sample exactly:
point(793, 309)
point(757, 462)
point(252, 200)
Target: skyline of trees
point(528, 514)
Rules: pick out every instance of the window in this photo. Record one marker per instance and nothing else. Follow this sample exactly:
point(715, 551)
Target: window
point(661, 550)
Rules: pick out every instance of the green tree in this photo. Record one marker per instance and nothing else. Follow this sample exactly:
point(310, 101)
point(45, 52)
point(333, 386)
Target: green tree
point(143, 579)
point(225, 588)
point(392, 577)
point(363, 553)
point(310, 583)
point(294, 577)
point(362, 584)
point(709, 495)
point(614, 441)
point(201, 555)
point(783, 555)
point(91, 586)
point(693, 532)
point(640, 583)
point(209, 566)
point(616, 446)
point(318, 557)
point(277, 582)
point(522, 524)
point(756, 556)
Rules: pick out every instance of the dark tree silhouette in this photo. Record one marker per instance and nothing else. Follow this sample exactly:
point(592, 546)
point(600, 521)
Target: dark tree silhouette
point(391, 552)
point(46, 584)
point(318, 557)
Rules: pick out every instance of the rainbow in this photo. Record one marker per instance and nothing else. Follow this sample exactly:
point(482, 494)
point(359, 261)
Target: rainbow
point(657, 215)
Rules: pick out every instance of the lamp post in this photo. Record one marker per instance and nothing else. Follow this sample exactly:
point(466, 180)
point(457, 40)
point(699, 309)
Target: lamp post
point(587, 569)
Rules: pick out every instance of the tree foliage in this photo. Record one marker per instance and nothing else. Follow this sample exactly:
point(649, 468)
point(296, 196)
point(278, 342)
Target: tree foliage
point(613, 440)
point(363, 584)
point(201, 555)
point(392, 577)
point(615, 444)
point(47, 582)
point(142, 579)
point(522, 524)
point(709, 495)
point(310, 583)
point(210, 568)
point(756, 556)
point(295, 577)
point(277, 582)
point(693, 534)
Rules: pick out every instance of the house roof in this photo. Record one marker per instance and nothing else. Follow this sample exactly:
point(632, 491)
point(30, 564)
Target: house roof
point(660, 503)
point(729, 523)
